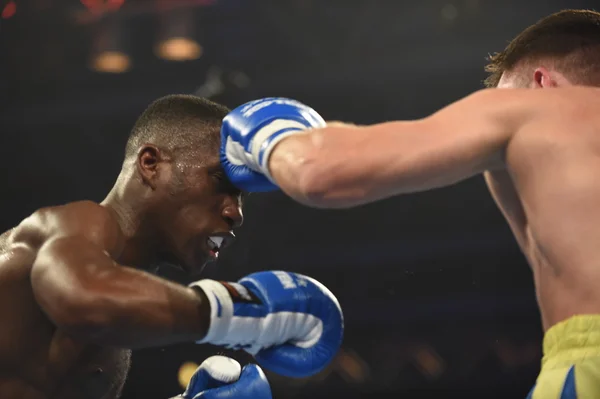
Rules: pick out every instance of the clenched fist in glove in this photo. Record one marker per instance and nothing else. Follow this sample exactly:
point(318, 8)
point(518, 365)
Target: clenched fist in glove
point(292, 324)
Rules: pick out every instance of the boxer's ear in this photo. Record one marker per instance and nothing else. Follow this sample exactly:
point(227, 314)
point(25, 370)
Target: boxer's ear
point(148, 160)
point(543, 78)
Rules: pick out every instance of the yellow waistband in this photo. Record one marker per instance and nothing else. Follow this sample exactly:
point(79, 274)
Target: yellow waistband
point(581, 332)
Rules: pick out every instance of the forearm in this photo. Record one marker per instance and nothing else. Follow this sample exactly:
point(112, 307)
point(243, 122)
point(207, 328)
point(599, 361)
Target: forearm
point(343, 165)
point(291, 164)
point(134, 309)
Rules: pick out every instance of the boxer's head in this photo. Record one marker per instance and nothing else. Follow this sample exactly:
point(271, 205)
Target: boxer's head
point(561, 49)
point(182, 205)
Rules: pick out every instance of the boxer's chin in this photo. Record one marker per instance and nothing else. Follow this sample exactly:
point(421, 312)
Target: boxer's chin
point(195, 266)
point(185, 264)
point(196, 270)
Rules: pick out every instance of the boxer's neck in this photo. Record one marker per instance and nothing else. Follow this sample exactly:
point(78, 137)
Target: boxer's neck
point(128, 202)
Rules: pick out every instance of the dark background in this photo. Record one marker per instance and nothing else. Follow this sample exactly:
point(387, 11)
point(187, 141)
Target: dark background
point(438, 300)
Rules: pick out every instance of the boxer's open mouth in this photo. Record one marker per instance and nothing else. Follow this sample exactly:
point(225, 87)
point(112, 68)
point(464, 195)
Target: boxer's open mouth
point(214, 245)
point(217, 242)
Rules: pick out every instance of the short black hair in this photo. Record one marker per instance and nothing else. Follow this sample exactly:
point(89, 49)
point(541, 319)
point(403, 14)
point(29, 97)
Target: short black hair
point(571, 38)
point(178, 123)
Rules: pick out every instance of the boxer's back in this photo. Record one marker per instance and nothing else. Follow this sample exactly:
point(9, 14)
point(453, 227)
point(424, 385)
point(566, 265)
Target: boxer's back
point(36, 359)
point(550, 195)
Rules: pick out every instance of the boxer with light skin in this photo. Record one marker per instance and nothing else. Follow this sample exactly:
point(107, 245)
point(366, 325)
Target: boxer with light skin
point(535, 140)
point(77, 289)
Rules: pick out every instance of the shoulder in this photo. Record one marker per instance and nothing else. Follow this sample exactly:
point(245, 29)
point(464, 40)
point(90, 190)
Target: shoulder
point(567, 98)
point(82, 218)
point(561, 112)
point(557, 103)
point(543, 113)
point(563, 124)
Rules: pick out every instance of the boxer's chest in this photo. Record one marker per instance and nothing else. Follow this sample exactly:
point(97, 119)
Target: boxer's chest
point(35, 355)
point(87, 371)
point(66, 370)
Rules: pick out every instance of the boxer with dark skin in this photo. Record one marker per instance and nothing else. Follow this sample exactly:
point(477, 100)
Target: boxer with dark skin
point(75, 286)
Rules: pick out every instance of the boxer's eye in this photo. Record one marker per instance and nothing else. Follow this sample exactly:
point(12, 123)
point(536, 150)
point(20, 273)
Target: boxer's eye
point(219, 175)
point(224, 185)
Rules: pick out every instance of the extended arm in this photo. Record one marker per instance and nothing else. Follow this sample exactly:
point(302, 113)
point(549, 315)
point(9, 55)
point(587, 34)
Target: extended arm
point(89, 296)
point(85, 293)
point(344, 165)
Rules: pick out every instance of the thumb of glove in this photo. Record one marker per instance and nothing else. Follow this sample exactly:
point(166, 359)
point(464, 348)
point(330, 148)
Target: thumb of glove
point(214, 372)
point(252, 384)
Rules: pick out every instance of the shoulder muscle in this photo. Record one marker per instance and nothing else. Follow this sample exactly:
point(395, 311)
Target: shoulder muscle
point(83, 219)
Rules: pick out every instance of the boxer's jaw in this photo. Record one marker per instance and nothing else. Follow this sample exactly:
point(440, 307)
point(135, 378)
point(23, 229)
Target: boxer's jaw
point(195, 213)
point(175, 211)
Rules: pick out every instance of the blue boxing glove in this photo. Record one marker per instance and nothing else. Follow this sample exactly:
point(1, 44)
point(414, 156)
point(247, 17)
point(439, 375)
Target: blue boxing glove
point(220, 377)
point(252, 130)
point(292, 324)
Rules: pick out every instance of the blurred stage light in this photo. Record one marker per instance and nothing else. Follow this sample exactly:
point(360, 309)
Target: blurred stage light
point(449, 12)
point(179, 49)
point(186, 371)
point(91, 3)
point(177, 36)
point(9, 10)
point(102, 5)
point(351, 366)
point(111, 62)
point(429, 362)
point(109, 55)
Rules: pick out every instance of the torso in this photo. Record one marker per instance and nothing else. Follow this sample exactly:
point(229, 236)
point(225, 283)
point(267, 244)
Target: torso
point(37, 361)
point(550, 196)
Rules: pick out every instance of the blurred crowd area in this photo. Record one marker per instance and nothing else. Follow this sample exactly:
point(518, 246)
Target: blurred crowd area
point(438, 300)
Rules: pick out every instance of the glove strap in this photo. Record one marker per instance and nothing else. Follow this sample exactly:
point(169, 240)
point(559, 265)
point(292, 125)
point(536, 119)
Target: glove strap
point(221, 309)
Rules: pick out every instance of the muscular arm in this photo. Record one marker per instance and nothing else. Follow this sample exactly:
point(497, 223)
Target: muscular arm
point(85, 293)
point(344, 166)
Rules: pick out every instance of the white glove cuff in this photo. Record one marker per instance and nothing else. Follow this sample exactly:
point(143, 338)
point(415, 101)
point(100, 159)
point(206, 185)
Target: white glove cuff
point(260, 154)
point(221, 309)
